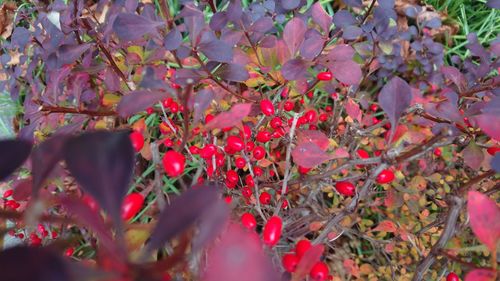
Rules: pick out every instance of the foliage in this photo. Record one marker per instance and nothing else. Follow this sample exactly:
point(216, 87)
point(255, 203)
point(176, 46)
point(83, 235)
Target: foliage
point(343, 126)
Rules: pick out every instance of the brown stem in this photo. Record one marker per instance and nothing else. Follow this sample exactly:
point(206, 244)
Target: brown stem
point(185, 115)
point(367, 14)
point(57, 109)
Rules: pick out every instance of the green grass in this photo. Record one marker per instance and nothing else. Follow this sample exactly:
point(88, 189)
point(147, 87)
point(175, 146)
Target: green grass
point(472, 16)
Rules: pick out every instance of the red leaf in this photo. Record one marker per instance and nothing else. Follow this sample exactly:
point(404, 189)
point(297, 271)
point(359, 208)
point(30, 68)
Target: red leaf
point(238, 251)
point(386, 226)
point(314, 136)
point(353, 110)
point(311, 256)
point(480, 275)
point(309, 155)
point(230, 118)
point(484, 214)
point(490, 124)
point(473, 155)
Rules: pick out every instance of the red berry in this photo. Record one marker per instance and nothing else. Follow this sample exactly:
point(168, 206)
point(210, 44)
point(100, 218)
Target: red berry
point(263, 136)
point(90, 202)
point(209, 118)
point(304, 170)
point(194, 149)
point(8, 193)
point(375, 120)
point(267, 107)
point(452, 277)
point(247, 132)
point(323, 117)
point(232, 176)
point(493, 150)
point(310, 115)
point(249, 181)
point(276, 122)
point(208, 151)
point(228, 199)
point(290, 262)
point(363, 154)
point(386, 176)
point(373, 107)
point(284, 205)
point(324, 76)
point(150, 110)
point(345, 188)
point(131, 205)
point(167, 102)
point(250, 146)
point(258, 171)
point(173, 163)
point(319, 271)
point(437, 152)
point(240, 162)
point(272, 231)
point(246, 192)
point(235, 143)
point(174, 107)
point(301, 247)
point(288, 106)
point(69, 252)
point(265, 198)
point(137, 140)
point(248, 220)
point(259, 152)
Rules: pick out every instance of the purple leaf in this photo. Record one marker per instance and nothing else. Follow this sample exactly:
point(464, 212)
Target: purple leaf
point(495, 163)
point(185, 210)
point(394, 98)
point(13, 154)
point(321, 17)
point(129, 26)
point(44, 158)
point(217, 50)
point(455, 76)
point(309, 155)
point(173, 40)
point(494, 4)
point(293, 34)
point(343, 18)
point(183, 75)
point(295, 69)
point(347, 72)
point(194, 21)
point(234, 11)
point(201, 102)
point(218, 21)
point(290, 4)
point(473, 156)
point(68, 54)
point(354, 3)
point(312, 47)
point(230, 118)
point(138, 101)
point(262, 25)
point(341, 52)
point(212, 222)
point(351, 32)
point(233, 72)
point(43, 264)
point(102, 163)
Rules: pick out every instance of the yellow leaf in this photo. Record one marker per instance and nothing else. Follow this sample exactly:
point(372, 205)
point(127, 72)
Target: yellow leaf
point(110, 99)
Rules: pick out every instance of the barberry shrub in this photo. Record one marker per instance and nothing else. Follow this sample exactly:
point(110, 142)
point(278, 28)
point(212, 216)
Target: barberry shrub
point(264, 140)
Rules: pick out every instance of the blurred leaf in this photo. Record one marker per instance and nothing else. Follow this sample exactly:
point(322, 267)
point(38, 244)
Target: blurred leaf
point(293, 34)
point(185, 210)
point(138, 101)
point(22, 189)
point(102, 163)
point(495, 163)
point(13, 154)
point(484, 214)
point(480, 275)
point(230, 118)
point(311, 256)
point(42, 265)
point(45, 157)
point(129, 26)
point(217, 50)
point(473, 155)
point(290, 4)
point(173, 40)
point(321, 17)
point(233, 72)
point(494, 4)
point(394, 98)
point(238, 255)
point(212, 222)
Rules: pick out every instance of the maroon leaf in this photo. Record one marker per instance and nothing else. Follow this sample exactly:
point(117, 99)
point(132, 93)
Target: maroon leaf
point(45, 157)
point(183, 212)
point(217, 50)
point(346, 71)
point(13, 154)
point(394, 98)
point(484, 213)
point(138, 101)
point(480, 275)
point(230, 118)
point(173, 40)
point(293, 34)
point(473, 156)
point(490, 124)
point(68, 54)
point(315, 136)
point(295, 69)
point(309, 155)
point(43, 264)
point(233, 72)
point(321, 17)
point(91, 219)
point(102, 163)
point(129, 26)
point(353, 110)
point(251, 259)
